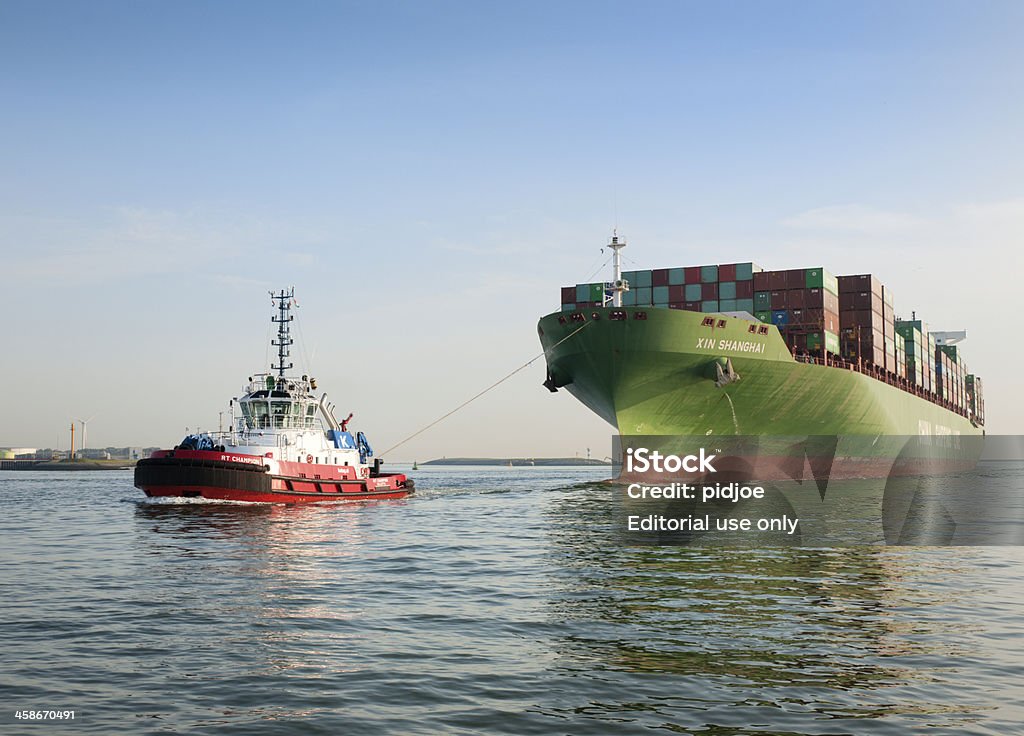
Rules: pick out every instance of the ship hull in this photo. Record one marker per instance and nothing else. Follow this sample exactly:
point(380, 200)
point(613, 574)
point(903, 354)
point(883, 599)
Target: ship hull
point(657, 372)
point(205, 475)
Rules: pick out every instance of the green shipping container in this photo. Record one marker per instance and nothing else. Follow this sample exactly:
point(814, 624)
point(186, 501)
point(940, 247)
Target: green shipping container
point(629, 298)
point(763, 315)
point(643, 296)
point(830, 339)
point(568, 307)
point(661, 296)
point(763, 300)
point(831, 342)
point(692, 292)
point(676, 276)
point(597, 293)
point(709, 306)
point(643, 279)
point(819, 278)
point(708, 274)
point(746, 271)
point(727, 305)
point(727, 290)
point(745, 305)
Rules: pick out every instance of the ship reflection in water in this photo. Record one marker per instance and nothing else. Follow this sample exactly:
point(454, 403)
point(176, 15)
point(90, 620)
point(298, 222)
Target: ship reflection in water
point(793, 640)
point(273, 582)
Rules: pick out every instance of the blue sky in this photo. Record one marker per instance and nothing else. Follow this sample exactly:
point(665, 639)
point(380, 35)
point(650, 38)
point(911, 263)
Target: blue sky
point(427, 174)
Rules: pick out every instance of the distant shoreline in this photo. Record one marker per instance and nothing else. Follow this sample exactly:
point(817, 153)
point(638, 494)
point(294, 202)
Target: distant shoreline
point(69, 465)
point(519, 462)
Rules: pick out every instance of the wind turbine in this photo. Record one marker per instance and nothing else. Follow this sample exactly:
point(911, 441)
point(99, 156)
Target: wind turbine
point(85, 430)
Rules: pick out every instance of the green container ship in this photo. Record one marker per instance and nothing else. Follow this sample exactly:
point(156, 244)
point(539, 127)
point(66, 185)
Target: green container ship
point(654, 370)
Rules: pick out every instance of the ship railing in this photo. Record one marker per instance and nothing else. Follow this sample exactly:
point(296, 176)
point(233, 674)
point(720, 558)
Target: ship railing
point(884, 376)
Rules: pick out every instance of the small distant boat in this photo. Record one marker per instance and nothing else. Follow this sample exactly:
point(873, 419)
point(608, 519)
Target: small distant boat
point(287, 447)
point(415, 465)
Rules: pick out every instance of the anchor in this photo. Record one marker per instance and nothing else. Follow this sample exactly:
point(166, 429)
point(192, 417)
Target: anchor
point(725, 374)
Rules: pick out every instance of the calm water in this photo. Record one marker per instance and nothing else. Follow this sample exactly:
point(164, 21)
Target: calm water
point(496, 601)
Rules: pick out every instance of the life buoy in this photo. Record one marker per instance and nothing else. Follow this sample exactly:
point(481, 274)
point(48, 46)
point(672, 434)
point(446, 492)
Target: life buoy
point(309, 458)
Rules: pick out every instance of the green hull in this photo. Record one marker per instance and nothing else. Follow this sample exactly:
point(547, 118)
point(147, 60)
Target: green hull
point(657, 376)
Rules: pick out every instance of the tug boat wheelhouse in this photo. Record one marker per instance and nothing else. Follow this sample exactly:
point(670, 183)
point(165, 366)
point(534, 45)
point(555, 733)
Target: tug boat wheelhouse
point(287, 446)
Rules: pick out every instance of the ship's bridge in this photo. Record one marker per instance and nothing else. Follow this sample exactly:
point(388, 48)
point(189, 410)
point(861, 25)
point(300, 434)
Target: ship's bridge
point(278, 403)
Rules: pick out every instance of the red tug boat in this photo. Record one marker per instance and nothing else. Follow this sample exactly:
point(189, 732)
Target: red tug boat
point(287, 447)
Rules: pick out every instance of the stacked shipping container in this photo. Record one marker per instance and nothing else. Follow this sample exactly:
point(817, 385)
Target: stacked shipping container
point(920, 351)
point(714, 288)
point(804, 304)
point(862, 320)
point(975, 398)
point(950, 367)
point(816, 312)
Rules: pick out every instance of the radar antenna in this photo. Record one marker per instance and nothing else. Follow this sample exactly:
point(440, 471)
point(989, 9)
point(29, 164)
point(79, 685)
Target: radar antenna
point(619, 284)
point(284, 341)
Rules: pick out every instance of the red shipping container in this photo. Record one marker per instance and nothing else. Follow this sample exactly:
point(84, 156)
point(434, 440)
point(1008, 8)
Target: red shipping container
point(780, 299)
point(693, 306)
point(796, 298)
point(727, 272)
point(691, 274)
point(797, 317)
point(568, 295)
point(762, 281)
point(776, 281)
point(659, 277)
point(796, 279)
point(709, 291)
point(861, 282)
point(744, 289)
point(676, 293)
point(677, 305)
point(860, 300)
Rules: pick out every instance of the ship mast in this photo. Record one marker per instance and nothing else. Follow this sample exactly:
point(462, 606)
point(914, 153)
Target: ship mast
point(618, 284)
point(283, 319)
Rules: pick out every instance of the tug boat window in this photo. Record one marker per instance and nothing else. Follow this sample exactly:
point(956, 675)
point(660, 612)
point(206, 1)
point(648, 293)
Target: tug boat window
point(260, 418)
point(280, 412)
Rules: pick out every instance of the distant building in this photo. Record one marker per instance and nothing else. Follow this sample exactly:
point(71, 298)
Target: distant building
point(93, 454)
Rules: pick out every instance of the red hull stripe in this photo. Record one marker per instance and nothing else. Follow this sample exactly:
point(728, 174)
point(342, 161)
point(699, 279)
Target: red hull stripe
point(236, 494)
